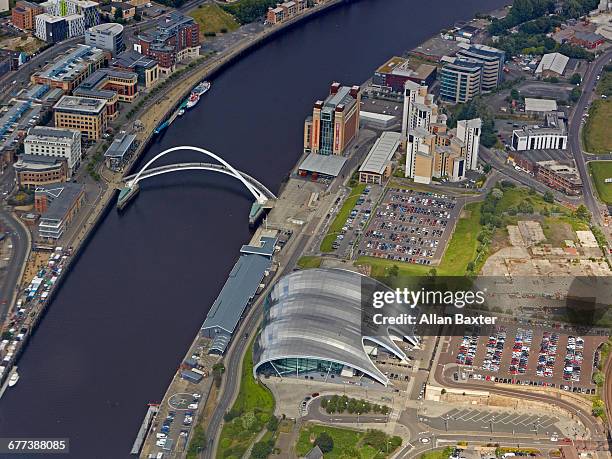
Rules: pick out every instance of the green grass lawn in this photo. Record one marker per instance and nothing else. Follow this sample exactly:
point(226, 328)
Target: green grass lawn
point(254, 402)
point(347, 443)
point(308, 262)
point(601, 170)
point(596, 132)
point(460, 251)
point(340, 220)
point(213, 19)
point(438, 454)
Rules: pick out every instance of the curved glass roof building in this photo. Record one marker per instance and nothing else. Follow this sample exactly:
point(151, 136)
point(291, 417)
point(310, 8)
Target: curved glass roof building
point(313, 323)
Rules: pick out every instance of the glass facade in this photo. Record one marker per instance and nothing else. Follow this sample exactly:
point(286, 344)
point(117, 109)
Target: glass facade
point(301, 366)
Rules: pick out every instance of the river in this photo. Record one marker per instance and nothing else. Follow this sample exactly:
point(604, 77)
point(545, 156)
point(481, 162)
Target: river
point(118, 328)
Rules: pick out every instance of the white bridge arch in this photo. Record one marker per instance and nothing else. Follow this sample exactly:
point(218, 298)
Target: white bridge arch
point(258, 190)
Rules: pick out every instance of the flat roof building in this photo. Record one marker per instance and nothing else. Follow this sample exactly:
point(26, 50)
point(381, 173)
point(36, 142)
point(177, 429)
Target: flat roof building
point(312, 324)
point(553, 135)
point(83, 114)
point(34, 170)
point(57, 204)
point(68, 70)
point(393, 74)
point(560, 176)
point(377, 164)
point(108, 36)
point(540, 105)
point(460, 80)
point(54, 142)
point(23, 14)
point(492, 60)
point(334, 122)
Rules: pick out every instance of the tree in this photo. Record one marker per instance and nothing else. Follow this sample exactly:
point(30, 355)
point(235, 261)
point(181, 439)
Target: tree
point(325, 442)
point(394, 271)
point(433, 272)
point(514, 94)
point(598, 378)
point(576, 79)
point(261, 449)
point(549, 197)
point(218, 369)
point(487, 168)
point(575, 94)
point(582, 213)
point(118, 13)
point(272, 424)
point(471, 266)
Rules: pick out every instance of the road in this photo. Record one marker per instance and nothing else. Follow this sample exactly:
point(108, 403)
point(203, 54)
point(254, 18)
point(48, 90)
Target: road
point(588, 84)
point(586, 419)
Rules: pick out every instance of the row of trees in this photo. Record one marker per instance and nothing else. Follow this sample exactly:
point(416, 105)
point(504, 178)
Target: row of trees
point(340, 404)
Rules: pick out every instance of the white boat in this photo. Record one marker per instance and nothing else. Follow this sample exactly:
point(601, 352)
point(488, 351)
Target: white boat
point(194, 98)
point(202, 88)
point(181, 112)
point(13, 379)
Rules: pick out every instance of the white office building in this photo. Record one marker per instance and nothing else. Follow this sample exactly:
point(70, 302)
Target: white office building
point(551, 136)
point(55, 142)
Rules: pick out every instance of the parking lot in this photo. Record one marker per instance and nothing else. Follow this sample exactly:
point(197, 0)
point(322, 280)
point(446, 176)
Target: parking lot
point(410, 226)
point(356, 221)
point(526, 355)
point(475, 420)
point(178, 421)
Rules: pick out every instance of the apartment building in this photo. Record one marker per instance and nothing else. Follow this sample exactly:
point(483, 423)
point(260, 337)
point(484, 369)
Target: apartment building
point(176, 38)
point(57, 205)
point(84, 114)
point(70, 69)
point(23, 14)
point(284, 11)
point(433, 150)
point(334, 122)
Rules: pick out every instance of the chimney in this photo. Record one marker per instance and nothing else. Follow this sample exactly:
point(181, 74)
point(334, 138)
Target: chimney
point(334, 87)
point(354, 91)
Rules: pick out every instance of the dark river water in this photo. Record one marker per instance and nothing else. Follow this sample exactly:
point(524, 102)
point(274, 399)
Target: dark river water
point(119, 326)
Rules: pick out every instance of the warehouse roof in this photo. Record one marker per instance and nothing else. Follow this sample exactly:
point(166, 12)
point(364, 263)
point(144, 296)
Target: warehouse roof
point(323, 164)
point(381, 153)
point(554, 62)
point(540, 105)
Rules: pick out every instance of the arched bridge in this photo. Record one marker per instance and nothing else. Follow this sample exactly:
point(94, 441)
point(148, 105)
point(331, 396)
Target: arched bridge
point(261, 188)
point(261, 194)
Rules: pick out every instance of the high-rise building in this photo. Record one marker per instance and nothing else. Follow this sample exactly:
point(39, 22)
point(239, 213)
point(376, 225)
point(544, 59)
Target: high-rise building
point(432, 150)
point(459, 80)
point(108, 36)
point(468, 131)
point(63, 8)
point(334, 121)
point(492, 60)
point(51, 29)
point(175, 38)
point(23, 14)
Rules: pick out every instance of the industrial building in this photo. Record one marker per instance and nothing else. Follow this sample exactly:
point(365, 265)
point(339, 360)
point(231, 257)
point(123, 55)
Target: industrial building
point(562, 177)
point(393, 74)
point(552, 65)
point(83, 114)
point(313, 325)
point(70, 69)
point(553, 135)
point(242, 285)
point(334, 122)
point(108, 37)
point(432, 150)
point(323, 166)
point(145, 67)
point(56, 143)
point(176, 37)
point(537, 106)
point(57, 206)
point(377, 165)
